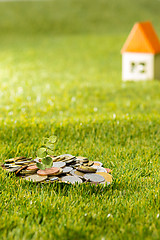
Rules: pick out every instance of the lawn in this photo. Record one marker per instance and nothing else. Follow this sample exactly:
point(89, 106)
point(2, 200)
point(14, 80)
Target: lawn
point(60, 73)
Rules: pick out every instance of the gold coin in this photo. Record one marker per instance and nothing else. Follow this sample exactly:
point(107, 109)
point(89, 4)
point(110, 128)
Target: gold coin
point(24, 172)
point(20, 169)
point(19, 158)
point(82, 158)
point(90, 163)
point(11, 160)
point(81, 174)
point(107, 176)
point(86, 169)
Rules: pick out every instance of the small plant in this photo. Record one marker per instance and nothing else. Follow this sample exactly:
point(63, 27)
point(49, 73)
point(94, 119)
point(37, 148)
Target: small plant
point(45, 150)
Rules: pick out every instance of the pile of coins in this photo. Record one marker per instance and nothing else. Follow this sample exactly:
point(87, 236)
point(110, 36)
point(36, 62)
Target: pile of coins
point(66, 168)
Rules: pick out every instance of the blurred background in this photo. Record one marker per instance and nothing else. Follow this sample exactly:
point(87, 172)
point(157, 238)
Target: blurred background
point(60, 60)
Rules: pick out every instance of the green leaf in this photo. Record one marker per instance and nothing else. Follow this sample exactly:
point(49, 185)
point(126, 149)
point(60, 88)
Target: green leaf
point(50, 152)
point(40, 166)
point(41, 152)
point(52, 139)
point(50, 146)
point(47, 161)
point(45, 140)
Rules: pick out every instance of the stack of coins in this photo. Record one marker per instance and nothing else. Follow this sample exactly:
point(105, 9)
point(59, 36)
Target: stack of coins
point(66, 168)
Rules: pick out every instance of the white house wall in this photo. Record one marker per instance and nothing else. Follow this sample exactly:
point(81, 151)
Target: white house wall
point(137, 66)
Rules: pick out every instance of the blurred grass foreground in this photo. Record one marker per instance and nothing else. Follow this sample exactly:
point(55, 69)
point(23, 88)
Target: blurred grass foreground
point(60, 72)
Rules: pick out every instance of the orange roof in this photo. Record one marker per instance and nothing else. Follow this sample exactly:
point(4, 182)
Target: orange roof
point(142, 39)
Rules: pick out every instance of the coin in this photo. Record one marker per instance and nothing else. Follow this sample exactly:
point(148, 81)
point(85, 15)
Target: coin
point(19, 158)
point(71, 179)
point(10, 165)
point(9, 160)
point(60, 158)
point(23, 159)
point(23, 162)
point(99, 169)
point(54, 158)
point(59, 164)
point(90, 163)
point(82, 158)
point(14, 159)
point(96, 163)
point(86, 169)
point(48, 171)
point(32, 167)
point(74, 165)
point(92, 177)
point(108, 170)
point(36, 160)
point(107, 176)
point(67, 156)
point(36, 178)
point(83, 161)
point(76, 173)
point(79, 174)
point(52, 178)
point(12, 170)
point(28, 172)
point(20, 169)
point(70, 162)
point(58, 173)
point(67, 169)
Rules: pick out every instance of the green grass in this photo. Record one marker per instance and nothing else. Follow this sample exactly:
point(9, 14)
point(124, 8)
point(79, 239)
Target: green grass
point(60, 72)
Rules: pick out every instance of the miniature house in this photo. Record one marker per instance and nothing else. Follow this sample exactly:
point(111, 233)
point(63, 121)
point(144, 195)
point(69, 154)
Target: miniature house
point(141, 54)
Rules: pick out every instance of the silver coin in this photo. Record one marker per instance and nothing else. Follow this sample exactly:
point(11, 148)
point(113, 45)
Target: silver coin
point(98, 164)
point(92, 177)
point(72, 172)
point(67, 157)
point(10, 165)
point(67, 169)
point(52, 179)
point(36, 178)
point(36, 160)
point(101, 169)
point(71, 161)
point(75, 165)
point(71, 179)
point(23, 162)
point(12, 170)
point(81, 158)
point(59, 164)
point(23, 159)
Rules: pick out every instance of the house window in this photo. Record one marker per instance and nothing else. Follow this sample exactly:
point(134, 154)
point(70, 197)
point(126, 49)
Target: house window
point(133, 67)
point(142, 67)
point(138, 67)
